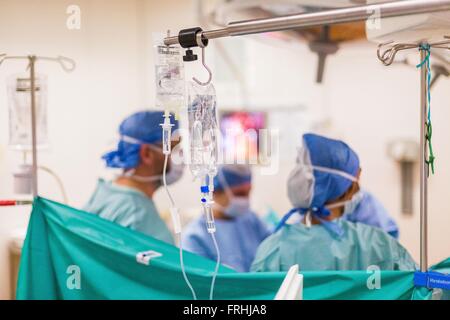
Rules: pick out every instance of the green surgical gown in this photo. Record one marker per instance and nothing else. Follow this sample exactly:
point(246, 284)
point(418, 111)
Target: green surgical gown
point(315, 248)
point(128, 207)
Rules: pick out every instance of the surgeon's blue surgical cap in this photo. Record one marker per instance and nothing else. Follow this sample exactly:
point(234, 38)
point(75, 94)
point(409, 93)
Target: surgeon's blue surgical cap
point(332, 154)
point(139, 128)
point(232, 176)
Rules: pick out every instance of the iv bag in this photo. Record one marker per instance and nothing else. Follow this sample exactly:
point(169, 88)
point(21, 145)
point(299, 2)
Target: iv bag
point(203, 130)
point(19, 101)
point(169, 72)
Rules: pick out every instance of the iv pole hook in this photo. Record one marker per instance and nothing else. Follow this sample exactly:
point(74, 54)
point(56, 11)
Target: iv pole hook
point(207, 69)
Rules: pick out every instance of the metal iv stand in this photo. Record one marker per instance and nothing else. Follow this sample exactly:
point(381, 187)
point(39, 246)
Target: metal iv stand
point(67, 65)
point(424, 278)
point(388, 57)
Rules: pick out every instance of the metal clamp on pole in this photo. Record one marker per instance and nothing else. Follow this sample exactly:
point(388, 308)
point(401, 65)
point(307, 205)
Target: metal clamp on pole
point(188, 38)
point(192, 37)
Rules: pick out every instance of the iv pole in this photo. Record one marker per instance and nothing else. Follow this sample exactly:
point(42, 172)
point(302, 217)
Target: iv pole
point(193, 37)
point(388, 57)
point(31, 66)
point(196, 37)
point(423, 166)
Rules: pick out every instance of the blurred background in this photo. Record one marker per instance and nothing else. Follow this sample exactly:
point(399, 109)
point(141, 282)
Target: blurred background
point(324, 80)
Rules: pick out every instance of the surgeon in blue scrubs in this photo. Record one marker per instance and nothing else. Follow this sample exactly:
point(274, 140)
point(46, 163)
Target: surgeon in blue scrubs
point(127, 200)
point(239, 229)
point(324, 188)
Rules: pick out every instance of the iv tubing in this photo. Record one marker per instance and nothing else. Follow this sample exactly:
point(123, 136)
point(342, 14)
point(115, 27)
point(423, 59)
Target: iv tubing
point(166, 157)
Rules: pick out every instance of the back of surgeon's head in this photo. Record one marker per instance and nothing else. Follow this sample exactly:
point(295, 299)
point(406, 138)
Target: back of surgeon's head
point(326, 172)
point(139, 144)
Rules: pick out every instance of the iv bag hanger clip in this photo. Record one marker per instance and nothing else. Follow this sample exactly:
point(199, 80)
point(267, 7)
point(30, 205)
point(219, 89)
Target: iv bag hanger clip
point(387, 56)
point(193, 37)
point(207, 69)
point(66, 64)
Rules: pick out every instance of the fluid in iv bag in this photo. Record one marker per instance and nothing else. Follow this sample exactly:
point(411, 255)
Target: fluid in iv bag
point(169, 72)
point(19, 101)
point(203, 129)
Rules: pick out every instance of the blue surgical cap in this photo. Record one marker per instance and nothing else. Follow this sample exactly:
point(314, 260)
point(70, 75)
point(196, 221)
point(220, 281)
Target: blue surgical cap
point(234, 175)
point(333, 154)
point(139, 128)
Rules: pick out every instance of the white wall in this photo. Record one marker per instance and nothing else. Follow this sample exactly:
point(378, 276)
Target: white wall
point(367, 105)
point(113, 78)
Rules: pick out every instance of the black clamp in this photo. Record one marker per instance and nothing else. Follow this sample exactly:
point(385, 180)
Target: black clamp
point(192, 37)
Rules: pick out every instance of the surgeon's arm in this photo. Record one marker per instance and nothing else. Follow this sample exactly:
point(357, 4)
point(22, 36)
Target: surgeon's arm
point(196, 245)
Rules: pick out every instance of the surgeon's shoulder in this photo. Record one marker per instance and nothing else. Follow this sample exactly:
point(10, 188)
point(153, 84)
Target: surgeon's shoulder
point(374, 237)
point(362, 229)
point(365, 235)
point(267, 256)
point(134, 210)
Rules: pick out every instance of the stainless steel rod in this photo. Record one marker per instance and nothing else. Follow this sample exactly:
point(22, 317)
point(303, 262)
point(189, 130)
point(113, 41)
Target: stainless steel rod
point(32, 60)
point(423, 164)
point(327, 17)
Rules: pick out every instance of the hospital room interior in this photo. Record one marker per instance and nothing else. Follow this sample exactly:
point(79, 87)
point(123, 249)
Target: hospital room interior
point(314, 91)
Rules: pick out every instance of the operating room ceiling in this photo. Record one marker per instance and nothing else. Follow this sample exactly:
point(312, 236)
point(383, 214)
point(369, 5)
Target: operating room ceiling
point(323, 41)
point(327, 40)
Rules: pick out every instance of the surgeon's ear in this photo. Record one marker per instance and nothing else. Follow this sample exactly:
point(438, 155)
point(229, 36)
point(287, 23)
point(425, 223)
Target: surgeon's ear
point(146, 155)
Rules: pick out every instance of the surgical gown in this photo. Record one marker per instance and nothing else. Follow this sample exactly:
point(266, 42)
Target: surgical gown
point(237, 239)
point(128, 207)
point(371, 212)
point(315, 248)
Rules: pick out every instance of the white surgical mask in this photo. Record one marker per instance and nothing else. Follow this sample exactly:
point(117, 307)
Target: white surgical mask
point(237, 206)
point(174, 173)
point(349, 205)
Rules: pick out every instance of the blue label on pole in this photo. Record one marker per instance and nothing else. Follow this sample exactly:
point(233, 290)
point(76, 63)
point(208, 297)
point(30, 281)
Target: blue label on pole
point(432, 279)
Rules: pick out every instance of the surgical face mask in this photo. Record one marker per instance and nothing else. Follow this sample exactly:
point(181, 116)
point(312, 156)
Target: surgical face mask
point(237, 206)
point(349, 205)
point(174, 173)
point(300, 185)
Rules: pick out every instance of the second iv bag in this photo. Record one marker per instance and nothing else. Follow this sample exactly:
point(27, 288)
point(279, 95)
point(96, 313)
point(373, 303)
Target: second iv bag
point(203, 129)
point(19, 101)
point(169, 78)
